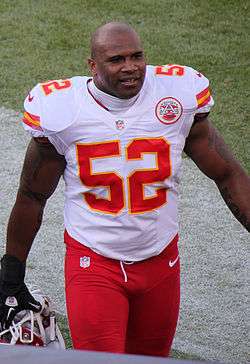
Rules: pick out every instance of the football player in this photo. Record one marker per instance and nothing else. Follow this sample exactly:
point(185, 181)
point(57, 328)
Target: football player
point(117, 138)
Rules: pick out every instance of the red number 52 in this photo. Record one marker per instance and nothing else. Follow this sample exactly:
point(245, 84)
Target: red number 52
point(136, 181)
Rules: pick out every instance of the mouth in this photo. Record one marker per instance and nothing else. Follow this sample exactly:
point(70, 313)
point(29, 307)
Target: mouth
point(130, 82)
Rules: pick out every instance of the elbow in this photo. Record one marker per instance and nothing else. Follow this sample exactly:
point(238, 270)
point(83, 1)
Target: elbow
point(223, 178)
point(229, 176)
point(27, 196)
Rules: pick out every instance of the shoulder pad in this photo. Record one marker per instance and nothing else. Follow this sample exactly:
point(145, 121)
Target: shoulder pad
point(170, 70)
point(175, 70)
point(196, 81)
point(54, 103)
point(203, 94)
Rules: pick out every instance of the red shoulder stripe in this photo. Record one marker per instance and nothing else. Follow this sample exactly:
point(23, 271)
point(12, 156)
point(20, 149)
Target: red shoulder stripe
point(32, 116)
point(202, 93)
point(203, 97)
point(32, 120)
point(205, 102)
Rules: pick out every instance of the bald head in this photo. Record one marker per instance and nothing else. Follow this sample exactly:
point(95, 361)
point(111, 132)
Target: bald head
point(117, 60)
point(106, 32)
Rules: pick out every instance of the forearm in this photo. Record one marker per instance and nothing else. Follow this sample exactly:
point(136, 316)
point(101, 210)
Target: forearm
point(208, 150)
point(23, 225)
point(235, 190)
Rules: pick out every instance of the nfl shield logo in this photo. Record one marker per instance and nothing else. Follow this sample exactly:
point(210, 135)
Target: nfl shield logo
point(120, 124)
point(84, 262)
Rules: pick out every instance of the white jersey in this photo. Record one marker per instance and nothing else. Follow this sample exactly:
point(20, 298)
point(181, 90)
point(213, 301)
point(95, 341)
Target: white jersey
point(122, 173)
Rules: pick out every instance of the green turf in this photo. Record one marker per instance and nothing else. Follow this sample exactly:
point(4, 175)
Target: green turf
point(63, 324)
point(45, 39)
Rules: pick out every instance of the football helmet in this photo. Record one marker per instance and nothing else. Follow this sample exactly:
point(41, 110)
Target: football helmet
point(36, 329)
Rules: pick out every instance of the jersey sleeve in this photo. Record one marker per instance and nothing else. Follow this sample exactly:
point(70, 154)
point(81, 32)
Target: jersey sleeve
point(32, 114)
point(51, 107)
point(203, 94)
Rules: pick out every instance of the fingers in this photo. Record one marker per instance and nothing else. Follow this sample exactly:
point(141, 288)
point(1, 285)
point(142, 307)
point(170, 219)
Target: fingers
point(7, 316)
point(11, 305)
point(34, 306)
point(10, 314)
point(7, 313)
point(8, 310)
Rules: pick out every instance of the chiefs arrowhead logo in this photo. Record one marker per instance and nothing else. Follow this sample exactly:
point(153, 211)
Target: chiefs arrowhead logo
point(168, 110)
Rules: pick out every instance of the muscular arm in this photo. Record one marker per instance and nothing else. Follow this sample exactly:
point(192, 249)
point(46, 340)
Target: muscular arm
point(209, 152)
point(41, 172)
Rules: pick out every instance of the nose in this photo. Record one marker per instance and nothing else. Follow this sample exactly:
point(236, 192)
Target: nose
point(129, 66)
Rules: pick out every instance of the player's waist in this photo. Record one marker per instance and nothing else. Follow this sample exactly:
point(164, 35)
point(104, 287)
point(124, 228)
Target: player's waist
point(74, 245)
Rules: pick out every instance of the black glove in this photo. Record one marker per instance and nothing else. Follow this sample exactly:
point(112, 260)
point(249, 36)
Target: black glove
point(14, 295)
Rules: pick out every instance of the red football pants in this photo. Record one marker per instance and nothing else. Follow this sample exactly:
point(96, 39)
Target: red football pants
point(118, 307)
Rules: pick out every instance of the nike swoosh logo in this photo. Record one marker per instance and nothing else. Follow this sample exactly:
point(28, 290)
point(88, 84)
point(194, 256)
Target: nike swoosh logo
point(172, 263)
point(30, 98)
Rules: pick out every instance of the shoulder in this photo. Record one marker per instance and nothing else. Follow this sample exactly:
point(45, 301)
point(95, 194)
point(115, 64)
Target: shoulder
point(175, 71)
point(185, 77)
point(53, 105)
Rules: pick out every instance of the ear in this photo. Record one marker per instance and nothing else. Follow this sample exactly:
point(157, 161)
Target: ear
point(92, 66)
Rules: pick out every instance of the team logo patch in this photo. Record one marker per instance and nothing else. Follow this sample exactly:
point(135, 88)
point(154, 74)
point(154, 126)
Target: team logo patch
point(119, 124)
point(168, 110)
point(84, 262)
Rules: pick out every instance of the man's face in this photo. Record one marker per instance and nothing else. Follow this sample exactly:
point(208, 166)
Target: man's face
point(119, 67)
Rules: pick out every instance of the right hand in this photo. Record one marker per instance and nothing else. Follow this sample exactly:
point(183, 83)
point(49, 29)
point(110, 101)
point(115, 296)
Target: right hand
point(14, 294)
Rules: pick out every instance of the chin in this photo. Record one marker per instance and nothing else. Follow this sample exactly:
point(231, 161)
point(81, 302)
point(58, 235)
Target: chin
point(128, 93)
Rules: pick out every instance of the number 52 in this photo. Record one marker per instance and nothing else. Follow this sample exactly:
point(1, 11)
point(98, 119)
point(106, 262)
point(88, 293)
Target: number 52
point(138, 202)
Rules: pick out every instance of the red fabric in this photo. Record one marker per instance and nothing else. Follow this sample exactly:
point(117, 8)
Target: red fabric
point(108, 314)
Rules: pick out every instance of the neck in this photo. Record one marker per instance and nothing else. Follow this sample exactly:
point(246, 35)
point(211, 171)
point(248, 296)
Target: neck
point(109, 102)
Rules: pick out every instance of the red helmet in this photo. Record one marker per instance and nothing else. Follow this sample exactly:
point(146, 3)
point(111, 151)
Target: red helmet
point(36, 329)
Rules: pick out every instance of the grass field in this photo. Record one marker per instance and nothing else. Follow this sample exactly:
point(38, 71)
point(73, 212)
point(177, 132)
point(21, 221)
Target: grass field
point(45, 39)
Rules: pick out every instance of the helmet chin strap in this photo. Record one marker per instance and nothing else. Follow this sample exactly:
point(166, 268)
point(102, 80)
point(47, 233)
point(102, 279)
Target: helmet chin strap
point(52, 326)
point(23, 336)
point(41, 327)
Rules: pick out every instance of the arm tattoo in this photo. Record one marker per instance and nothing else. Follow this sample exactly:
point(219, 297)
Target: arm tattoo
point(241, 217)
